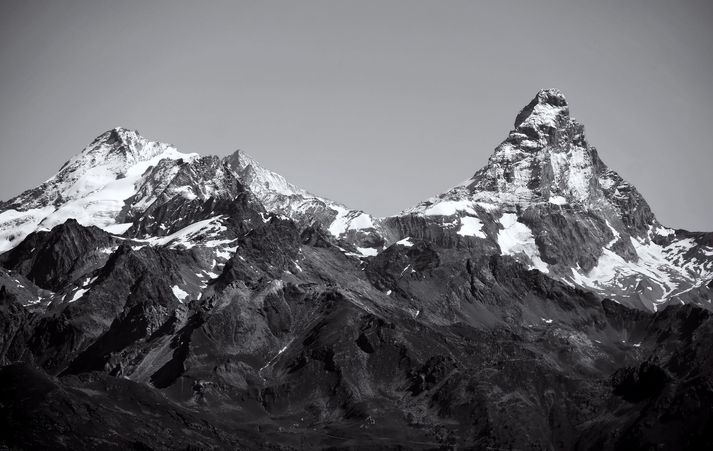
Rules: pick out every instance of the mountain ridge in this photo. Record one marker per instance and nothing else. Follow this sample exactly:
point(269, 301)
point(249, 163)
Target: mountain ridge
point(557, 206)
point(226, 308)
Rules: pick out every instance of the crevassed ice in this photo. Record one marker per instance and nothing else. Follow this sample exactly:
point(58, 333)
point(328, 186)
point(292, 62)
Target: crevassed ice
point(16, 225)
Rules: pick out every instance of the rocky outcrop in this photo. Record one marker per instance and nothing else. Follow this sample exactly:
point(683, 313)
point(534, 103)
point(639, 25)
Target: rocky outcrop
point(65, 254)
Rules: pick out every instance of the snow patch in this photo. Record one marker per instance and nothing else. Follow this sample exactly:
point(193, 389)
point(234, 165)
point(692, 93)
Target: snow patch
point(406, 242)
point(471, 226)
point(180, 294)
point(193, 233)
point(558, 200)
point(340, 223)
point(118, 229)
point(363, 221)
point(226, 253)
point(367, 251)
point(516, 239)
point(78, 294)
point(449, 208)
point(349, 220)
point(615, 233)
point(279, 353)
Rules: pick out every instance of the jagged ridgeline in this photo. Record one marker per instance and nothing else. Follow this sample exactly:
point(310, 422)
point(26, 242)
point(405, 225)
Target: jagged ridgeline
point(158, 300)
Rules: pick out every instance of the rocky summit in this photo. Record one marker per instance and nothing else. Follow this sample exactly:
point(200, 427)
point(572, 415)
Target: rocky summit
point(151, 299)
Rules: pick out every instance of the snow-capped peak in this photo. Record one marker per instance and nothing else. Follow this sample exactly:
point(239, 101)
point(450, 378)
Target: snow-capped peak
point(91, 187)
point(121, 176)
point(119, 149)
point(556, 207)
point(546, 159)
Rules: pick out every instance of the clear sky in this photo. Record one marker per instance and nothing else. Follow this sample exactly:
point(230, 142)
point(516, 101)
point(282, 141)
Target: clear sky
point(376, 104)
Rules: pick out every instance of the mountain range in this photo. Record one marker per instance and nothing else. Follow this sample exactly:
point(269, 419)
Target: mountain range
point(152, 299)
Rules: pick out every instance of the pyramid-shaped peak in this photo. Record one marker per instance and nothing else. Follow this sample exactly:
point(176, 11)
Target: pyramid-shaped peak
point(118, 136)
point(239, 160)
point(549, 108)
point(552, 96)
point(124, 134)
point(124, 144)
point(118, 140)
point(260, 180)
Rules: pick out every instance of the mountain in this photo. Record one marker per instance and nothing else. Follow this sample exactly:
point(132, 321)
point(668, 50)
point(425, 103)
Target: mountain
point(121, 177)
point(156, 300)
point(546, 198)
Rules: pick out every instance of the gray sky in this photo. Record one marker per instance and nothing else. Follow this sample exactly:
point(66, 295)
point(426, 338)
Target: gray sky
point(376, 104)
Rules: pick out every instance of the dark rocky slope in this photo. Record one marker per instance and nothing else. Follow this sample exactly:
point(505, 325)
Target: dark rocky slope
point(297, 342)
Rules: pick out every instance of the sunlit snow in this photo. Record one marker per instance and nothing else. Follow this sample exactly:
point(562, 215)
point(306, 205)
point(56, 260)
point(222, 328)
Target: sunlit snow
point(471, 226)
point(449, 208)
point(516, 239)
point(367, 251)
point(179, 293)
point(558, 200)
point(78, 294)
point(405, 242)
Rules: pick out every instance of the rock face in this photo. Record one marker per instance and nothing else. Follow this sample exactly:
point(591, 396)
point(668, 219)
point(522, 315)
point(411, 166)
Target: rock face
point(281, 197)
point(202, 302)
point(546, 198)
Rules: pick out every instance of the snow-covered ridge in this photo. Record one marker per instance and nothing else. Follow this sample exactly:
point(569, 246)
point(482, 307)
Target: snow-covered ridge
point(540, 184)
point(91, 187)
point(262, 181)
point(279, 196)
point(121, 174)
